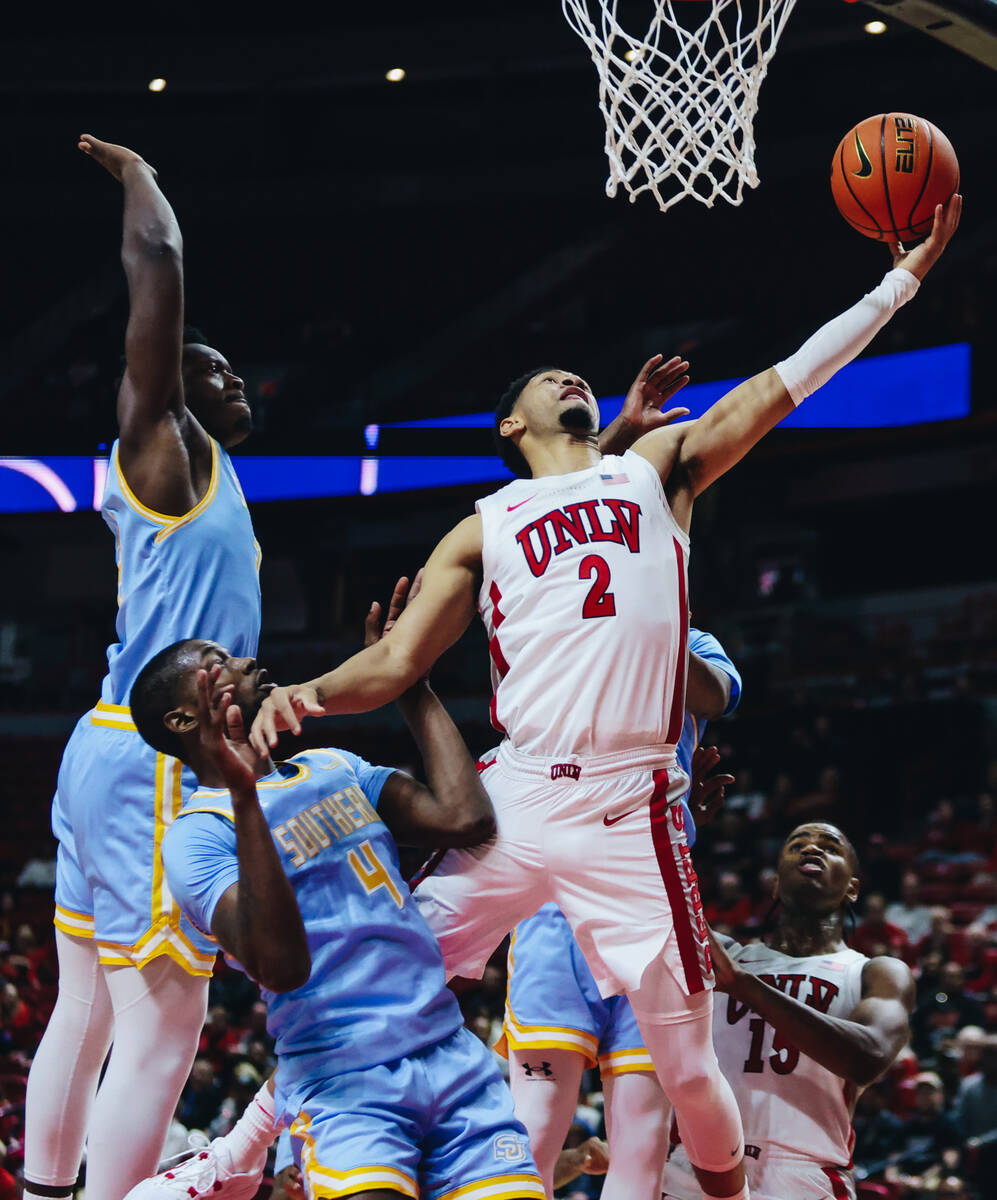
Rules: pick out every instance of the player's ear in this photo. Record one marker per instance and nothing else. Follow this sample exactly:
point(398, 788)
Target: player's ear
point(180, 722)
point(853, 890)
point(511, 424)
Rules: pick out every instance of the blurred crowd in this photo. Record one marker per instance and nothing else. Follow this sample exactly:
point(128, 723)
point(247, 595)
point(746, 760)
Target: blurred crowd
point(929, 897)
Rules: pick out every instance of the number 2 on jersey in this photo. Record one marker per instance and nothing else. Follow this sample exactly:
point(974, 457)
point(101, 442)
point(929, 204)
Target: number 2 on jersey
point(600, 602)
point(372, 873)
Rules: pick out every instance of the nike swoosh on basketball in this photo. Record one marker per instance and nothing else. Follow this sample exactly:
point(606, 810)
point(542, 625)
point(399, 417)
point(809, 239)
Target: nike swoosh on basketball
point(513, 507)
point(608, 820)
point(866, 170)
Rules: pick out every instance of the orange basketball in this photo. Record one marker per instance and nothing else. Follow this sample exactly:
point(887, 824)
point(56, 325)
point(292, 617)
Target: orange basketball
point(889, 172)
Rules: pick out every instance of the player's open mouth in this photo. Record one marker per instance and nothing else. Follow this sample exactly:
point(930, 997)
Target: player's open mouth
point(812, 866)
point(574, 394)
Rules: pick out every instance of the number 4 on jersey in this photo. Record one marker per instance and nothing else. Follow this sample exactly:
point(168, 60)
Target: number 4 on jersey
point(371, 871)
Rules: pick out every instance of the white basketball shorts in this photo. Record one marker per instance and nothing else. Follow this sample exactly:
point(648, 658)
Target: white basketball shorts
point(604, 838)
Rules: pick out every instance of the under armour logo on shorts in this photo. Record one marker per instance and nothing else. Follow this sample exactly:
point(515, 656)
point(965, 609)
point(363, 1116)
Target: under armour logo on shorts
point(509, 1147)
point(565, 770)
point(543, 1069)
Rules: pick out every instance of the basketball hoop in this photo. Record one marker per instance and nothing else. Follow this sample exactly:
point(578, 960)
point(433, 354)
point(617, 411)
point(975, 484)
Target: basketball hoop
point(680, 101)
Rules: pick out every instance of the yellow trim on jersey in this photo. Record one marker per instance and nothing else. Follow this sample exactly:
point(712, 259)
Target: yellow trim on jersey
point(113, 716)
point(304, 772)
point(149, 513)
point(199, 507)
point(623, 1062)
point(324, 1183)
point(153, 943)
point(499, 1187)
point(170, 524)
point(74, 923)
point(518, 1036)
point(218, 812)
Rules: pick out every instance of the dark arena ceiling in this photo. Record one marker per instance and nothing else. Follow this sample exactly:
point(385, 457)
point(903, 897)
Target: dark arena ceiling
point(366, 250)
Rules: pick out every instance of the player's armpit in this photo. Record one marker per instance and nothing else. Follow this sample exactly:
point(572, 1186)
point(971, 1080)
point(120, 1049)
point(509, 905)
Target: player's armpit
point(708, 688)
point(224, 921)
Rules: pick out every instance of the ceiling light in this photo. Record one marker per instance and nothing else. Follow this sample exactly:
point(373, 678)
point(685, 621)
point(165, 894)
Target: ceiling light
point(875, 26)
point(157, 85)
point(395, 75)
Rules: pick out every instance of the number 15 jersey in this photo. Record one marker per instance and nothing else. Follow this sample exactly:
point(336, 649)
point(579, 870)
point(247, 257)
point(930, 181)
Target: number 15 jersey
point(584, 599)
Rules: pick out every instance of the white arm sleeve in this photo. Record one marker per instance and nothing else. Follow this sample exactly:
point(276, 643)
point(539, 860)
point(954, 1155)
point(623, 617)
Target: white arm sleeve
point(840, 340)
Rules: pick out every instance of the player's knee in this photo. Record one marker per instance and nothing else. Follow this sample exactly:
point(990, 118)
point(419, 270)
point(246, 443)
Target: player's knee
point(694, 1089)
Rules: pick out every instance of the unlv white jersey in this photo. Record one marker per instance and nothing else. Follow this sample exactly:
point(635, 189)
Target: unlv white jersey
point(790, 1106)
point(584, 598)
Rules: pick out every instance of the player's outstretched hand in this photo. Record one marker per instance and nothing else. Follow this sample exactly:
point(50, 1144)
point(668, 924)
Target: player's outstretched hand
point(221, 732)
point(114, 158)
point(283, 709)
point(403, 595)
point(656, 383)
point(706, 792)
point(922, 258)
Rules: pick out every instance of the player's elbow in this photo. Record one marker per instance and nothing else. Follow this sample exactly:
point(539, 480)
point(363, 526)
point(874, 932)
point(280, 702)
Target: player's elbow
point(284, 973)
point(472, 830)
point(155, 243)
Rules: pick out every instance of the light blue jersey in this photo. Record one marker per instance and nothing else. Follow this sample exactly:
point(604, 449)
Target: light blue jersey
point(706, 646)
point(180, 577)
point(377, 990)
point(381, 1085)
point(195, 575)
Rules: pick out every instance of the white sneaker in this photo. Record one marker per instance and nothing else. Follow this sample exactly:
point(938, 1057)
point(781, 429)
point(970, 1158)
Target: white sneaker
point(206, 1173)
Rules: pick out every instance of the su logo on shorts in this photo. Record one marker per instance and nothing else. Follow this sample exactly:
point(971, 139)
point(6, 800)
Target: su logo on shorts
point(509, 1147)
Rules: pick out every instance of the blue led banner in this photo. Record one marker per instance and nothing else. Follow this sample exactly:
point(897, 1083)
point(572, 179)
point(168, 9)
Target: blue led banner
point(888, 390)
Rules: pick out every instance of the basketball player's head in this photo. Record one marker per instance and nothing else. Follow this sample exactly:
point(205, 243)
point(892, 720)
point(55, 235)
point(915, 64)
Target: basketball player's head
point(213, 392)
point(164, 698)
point(817, 870)
point(537, 406)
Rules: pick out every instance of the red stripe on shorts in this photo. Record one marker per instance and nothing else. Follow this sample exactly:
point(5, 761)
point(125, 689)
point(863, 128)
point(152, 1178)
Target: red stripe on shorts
point(839, 1189)
point(668, 835)
point(676, 718)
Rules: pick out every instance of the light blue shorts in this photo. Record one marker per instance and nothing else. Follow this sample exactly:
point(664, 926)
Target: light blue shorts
point(114, 801)
point(438, 1124)
point(553, 1001)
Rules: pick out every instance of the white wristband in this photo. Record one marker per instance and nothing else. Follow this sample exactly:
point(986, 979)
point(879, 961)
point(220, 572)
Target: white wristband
point(839, 341)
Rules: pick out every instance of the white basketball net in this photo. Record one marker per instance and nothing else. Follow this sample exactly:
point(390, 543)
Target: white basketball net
point(679, 114)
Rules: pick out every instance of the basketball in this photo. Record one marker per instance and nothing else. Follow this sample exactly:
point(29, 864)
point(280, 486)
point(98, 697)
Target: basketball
point(889, 172)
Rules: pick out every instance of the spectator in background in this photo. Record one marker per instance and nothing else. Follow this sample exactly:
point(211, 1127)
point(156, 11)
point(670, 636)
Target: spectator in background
point(930, 1138)
point(202, 1097)
point(875, 935)
point(878, 1132)
point(940, 1015)
point(218, 1041)
point(940, 938)
point(908, 913)
point(731, 907)
point(975, 1109)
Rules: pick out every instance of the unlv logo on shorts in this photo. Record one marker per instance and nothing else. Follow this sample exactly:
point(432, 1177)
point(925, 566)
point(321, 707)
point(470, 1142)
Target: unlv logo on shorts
point(509, 1147)
point(565, 770)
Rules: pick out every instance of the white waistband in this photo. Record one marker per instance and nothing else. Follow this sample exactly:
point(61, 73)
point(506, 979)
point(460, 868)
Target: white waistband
point(581, 766)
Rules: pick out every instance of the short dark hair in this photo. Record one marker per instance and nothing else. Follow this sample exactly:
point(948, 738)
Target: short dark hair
point(192, 336)
point(506, 448)
point(155, 692)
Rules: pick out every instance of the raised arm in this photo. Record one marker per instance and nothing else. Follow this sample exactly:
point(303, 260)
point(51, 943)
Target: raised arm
point(150, 398)
point(859, 1047)
point(256, 920)
point(380, 673)
point(690, 457)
